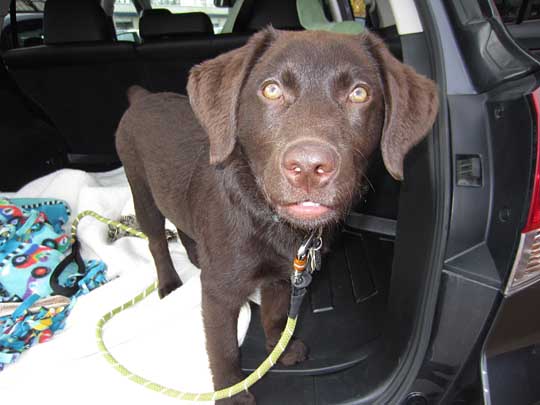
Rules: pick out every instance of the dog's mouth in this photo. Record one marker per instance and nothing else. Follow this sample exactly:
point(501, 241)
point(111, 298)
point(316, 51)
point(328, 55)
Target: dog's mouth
point(320, 209)
point(307, 210)
point(307, 213)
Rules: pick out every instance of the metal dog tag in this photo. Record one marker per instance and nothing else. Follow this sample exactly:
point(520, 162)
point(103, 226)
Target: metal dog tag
point(314, 261)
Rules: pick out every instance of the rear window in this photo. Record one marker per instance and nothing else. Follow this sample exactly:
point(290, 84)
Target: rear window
point(29, 25)
point(30, 6)
point(126, 21)
point(218, 15)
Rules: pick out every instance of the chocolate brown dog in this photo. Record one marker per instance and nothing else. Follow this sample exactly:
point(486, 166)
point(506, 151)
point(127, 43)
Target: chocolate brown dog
point(273, 142)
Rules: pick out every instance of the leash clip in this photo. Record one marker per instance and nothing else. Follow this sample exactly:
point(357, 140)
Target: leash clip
point(307, 256)
point(313, 238)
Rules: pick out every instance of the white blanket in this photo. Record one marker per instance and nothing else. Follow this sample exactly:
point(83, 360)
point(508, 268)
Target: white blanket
point(162, 340)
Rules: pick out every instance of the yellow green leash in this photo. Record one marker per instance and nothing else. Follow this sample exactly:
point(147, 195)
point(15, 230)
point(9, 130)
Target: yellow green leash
point(307, 257)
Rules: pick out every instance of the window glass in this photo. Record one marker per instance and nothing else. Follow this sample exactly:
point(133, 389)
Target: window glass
point(29, 25)
point(218, 15)
point(29, 6)
point(126, 21)
point(534, 13)
point(510, 10)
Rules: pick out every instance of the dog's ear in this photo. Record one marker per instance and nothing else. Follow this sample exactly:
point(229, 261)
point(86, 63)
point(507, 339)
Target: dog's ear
point(214, 88)
point(411, 105)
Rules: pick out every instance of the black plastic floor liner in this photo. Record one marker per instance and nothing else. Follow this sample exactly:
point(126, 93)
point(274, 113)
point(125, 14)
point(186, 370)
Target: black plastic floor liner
point(341, 319)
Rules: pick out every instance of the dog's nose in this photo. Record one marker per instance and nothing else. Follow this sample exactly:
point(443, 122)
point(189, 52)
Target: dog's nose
point(309, 165)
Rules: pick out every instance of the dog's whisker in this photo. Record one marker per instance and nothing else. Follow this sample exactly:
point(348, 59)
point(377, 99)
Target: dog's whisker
point(369, 182)
point(356, 149)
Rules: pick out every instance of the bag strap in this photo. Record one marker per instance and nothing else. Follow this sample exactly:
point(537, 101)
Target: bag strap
point(74, 256)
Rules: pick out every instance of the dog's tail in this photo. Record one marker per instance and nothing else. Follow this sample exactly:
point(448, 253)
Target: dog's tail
point(135, 93)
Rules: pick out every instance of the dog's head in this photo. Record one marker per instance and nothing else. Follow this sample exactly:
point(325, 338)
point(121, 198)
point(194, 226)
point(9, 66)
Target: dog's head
point(307, 109)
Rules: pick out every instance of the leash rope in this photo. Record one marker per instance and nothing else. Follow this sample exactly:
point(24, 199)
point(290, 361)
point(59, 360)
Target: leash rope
point(228, 392)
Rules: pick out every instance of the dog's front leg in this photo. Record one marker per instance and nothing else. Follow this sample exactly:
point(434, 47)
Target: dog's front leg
point(220, 315)
point(275, 298)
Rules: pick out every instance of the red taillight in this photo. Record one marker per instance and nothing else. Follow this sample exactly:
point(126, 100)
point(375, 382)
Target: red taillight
point(526, 269)
point(533, 220)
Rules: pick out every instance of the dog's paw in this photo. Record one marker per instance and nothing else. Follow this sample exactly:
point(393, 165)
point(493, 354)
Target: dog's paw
point(244, 398)
point(296, 352)
point(169, 286)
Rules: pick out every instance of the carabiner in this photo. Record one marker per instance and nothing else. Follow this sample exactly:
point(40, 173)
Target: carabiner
point(308, 242)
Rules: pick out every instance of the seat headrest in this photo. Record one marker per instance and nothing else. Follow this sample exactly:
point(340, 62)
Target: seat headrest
point(155, 11)
point(162, 25)
point(255, 15)
point(67, 21)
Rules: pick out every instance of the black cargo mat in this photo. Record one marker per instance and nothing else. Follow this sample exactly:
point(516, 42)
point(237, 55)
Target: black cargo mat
point(342, 315)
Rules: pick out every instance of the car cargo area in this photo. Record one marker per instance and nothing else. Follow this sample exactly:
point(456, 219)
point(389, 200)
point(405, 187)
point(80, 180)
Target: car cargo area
point(340, 321)
point(361, 308)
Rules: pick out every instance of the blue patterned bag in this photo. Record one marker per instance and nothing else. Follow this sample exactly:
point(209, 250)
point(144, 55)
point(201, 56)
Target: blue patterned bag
point(36, 256)
point(41, 273)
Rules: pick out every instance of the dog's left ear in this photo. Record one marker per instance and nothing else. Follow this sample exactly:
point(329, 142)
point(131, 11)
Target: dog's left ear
point(411, 105)
point(214, 88)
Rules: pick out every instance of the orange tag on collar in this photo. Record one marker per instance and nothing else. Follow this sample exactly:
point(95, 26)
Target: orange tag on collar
point(299, 264)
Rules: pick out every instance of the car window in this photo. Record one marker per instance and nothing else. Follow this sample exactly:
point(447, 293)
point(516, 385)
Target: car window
point(218, 15)
point(30, 6)
point(29, 25)
point(126, 21)
point(522, 19)
point(517, 11)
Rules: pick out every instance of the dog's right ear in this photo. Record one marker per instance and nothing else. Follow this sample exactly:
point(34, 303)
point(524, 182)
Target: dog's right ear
point(214, 88)
point(411, 104)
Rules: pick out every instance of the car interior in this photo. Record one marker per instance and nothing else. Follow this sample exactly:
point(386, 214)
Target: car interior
point(64, 92)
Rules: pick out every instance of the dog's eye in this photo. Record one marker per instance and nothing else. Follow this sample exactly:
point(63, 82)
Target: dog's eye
point(272, 91)
point(359, 95)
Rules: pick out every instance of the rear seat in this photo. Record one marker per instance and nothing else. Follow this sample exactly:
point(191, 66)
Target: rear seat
point(254, 15)
point(31, 145)
point(160, 24)
point(79, 77)
point(171, 45)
